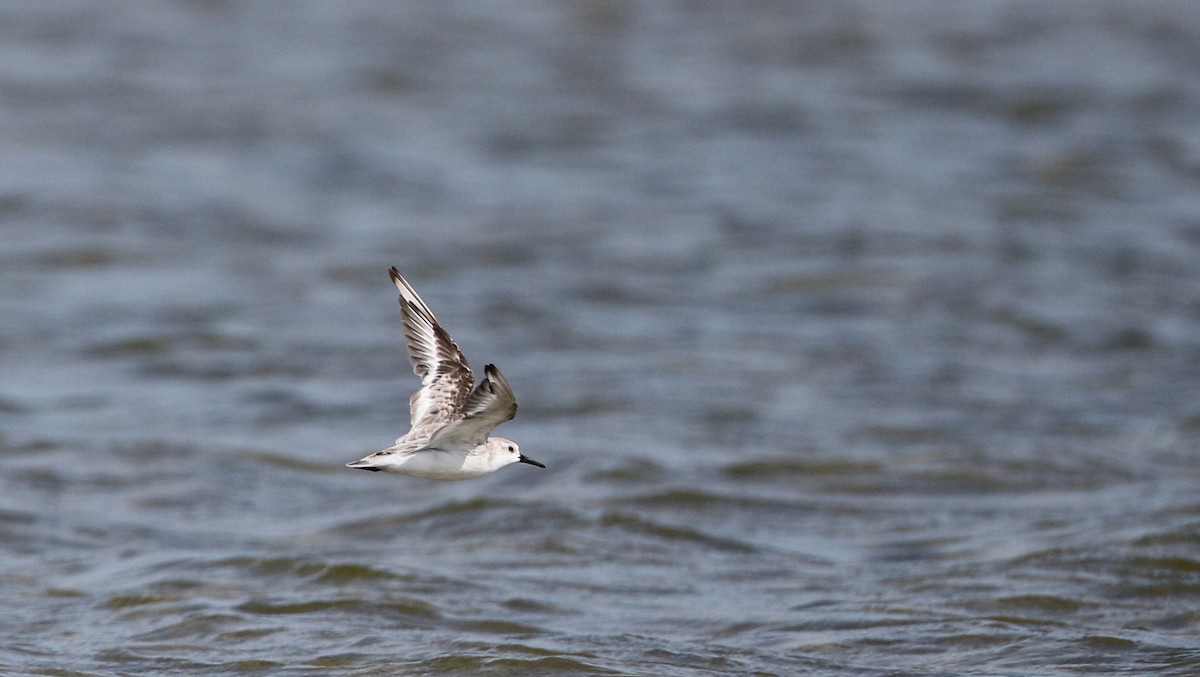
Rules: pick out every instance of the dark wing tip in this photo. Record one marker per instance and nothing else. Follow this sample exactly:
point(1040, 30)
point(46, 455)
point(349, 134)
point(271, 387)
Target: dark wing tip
point(500, 385)
point(395, 274)
point(491, 378)
point(492, 373)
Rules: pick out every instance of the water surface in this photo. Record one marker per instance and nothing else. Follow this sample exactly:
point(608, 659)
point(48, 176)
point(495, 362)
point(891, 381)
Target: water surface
point(858, 338)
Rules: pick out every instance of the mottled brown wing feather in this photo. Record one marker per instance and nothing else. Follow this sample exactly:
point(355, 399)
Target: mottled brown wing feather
point(445, 376)
point(490, 404)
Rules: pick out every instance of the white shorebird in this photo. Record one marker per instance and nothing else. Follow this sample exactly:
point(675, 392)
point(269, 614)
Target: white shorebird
point(450, 420)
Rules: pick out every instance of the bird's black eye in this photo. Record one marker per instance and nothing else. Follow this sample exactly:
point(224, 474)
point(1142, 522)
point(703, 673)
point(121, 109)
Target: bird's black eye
point(510, 448)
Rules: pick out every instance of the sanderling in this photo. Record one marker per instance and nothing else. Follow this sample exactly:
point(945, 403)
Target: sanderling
point(450, 421)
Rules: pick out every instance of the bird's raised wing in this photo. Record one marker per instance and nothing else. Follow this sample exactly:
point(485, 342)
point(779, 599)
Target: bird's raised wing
point(445, 377)
point(490, 404)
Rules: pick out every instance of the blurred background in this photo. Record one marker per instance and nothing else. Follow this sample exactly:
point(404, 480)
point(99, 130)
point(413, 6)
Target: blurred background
point(858, 338)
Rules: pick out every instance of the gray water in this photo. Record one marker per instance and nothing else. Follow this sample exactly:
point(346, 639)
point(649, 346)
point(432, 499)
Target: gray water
point(858, 338)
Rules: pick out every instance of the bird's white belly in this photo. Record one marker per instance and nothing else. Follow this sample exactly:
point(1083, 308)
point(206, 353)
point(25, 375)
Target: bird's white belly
point(437, 465)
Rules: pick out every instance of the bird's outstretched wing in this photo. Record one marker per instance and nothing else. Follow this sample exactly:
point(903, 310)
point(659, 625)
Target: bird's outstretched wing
point(445, 377)
point(490, 404)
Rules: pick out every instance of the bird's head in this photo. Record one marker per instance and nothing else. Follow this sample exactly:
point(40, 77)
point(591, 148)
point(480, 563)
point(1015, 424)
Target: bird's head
point(509, 451)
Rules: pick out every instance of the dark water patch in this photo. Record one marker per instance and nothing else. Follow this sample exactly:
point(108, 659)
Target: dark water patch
point(12, 517)
point(586, 406)
point(550, 548)
point(12, 204)
point(339, 660)
point(960, 480)
point(407, 612)
point(903, 434)
point(1035, 207)
point(1169, 566)
point(664, 535)
point(32, 447)
point(1172, 584)
point(916, 550)
point(291, 462)
point(470, 518)
point(282, 405)
point(622, 472)
point(1127, 339)
point(1040, 603)
point(1040, 329)
point(152, 452)
point(144, 660)
point(1091, 652)
point(557, 134)
point(276, 566)
point(876, 618)
point(785, 469)
point(505, 667)
point(525, 605)
point(66, 593)
point(174, 501)
point(162, 344)
point(1078, 170)
point(496, 627)
point(194, 625)
point(1023, 106)
point(692, 500)
point(839, 282)
point(130, 601)
point(1173, 590)
point(991, 474)
point(297, 570)
point(1021, 621)
point(11, 407)
point(768, 119)
point(347, 574)
point(1187, 536)
point(131, 347)
point(84, 258)
point(235, 366)
point(253, 667)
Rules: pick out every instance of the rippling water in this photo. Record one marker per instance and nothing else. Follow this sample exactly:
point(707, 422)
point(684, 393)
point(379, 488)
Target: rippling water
point(859, 338)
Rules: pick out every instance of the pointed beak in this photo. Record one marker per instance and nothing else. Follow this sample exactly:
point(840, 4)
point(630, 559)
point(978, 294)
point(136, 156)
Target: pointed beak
point(525, 459)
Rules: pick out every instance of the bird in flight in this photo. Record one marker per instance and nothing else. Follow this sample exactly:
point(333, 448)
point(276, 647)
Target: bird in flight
point(450, 416)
